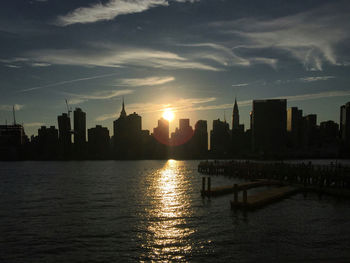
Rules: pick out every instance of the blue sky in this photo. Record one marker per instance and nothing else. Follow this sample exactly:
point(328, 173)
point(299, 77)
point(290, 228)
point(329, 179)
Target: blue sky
point(193, 56)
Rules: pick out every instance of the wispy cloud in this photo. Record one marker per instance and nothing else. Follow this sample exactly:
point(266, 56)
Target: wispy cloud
point(10, 107)
point(320, 95)
point(60, 83)
point(34, 124)
point(118, 56)
point(40, 64)
point(110, 10)
point(240, 85)
point(98, 95)
point(311, 37)
point(176, 105)
point(225, 56)
point(318, 78)
point(149, 81)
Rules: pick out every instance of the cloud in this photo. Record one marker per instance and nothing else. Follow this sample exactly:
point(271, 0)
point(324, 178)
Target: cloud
point(319, 78)
point(34, 124)
point(225, 56)
point(312, 37)
point(40, 64)
point(176, 105)
point(10, 107)
point(66, 82)
point(99, 95)
point(240, 85)
point(320, 95)
point(117, 56)
point(150, 81)
point(110, 10)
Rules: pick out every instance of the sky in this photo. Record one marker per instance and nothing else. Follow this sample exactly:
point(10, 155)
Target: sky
point(194, 56)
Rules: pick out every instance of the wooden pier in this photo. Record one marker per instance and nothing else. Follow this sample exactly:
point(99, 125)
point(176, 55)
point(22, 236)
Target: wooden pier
point(229, 189)
point(328, 176)
point(264, 198)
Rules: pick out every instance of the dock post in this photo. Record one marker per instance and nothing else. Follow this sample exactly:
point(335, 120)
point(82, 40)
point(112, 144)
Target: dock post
point(209, 184)
point(203, 184)
point(245, 197)
point(235, 193)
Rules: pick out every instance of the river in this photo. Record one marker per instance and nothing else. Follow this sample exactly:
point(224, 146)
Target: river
point(131, 211)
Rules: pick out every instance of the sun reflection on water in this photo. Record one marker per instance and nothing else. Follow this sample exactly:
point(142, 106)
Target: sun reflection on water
point(168, 228)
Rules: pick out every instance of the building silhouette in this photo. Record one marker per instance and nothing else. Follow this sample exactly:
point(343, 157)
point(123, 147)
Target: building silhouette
point(98, 143)
point(237, 133)
point(161, 132)
point(12, 141)
point(79, 133)
point(310, 131)
point(345, 125)
point(127, 135)
point(64, 135)
point(200, 139)
point(220, 138)
point(47, 143)
point(269, 122)
point(295, 127)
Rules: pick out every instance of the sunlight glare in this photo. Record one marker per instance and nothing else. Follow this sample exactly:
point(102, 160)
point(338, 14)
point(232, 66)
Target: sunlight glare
point(168, 114)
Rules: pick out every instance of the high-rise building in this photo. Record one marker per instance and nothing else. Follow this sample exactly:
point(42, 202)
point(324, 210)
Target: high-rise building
point(237, 133)
point(235, 116)
point(47, 143)
point(127, 135)
point(79, 127)
point(345, 124)
point(12, 138)
point(161, 132)
point(310, 131)
point(98, 142)
point(200, 139)
point(269, 123)
point(220, 138)
point(295, 126)
point(64, 134)
point(329, 131)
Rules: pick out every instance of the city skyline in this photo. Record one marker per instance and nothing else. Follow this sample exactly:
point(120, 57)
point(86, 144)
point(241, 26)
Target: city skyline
point(192, 56)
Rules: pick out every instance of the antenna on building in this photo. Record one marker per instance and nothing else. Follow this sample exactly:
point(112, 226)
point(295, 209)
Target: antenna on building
point(14, 115)
point(225, 115)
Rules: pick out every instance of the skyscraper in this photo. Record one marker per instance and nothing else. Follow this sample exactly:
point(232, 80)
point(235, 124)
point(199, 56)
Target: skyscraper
point(345, 124)
point(235, 116)
point(295, 126)
point(98, 142)
point(220, 138)
point(269, 121)
point(79, 128)
point(64, 135)
point(200, 139)
point(127, 135)
point(161, 132)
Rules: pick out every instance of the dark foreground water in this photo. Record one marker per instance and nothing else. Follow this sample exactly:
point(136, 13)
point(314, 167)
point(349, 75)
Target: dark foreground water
point(152, 210)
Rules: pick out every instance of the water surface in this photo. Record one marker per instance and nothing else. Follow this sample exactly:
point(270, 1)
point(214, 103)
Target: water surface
point(110, 211)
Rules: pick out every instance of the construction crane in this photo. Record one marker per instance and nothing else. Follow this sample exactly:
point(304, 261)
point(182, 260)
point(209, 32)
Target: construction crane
point(69, 109)
point(14, 115)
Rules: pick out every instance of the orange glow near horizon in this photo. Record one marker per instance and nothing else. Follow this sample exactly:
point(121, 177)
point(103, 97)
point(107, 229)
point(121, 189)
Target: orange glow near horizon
point(168, 114)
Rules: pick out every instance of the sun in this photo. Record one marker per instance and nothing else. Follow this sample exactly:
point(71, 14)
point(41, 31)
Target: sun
point(168, 115)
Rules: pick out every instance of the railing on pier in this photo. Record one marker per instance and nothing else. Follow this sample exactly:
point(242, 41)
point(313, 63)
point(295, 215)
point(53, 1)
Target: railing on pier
point(333, 176)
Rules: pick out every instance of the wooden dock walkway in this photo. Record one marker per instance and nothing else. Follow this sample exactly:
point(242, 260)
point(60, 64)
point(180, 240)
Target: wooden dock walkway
point(264, 198)
point(224, 190)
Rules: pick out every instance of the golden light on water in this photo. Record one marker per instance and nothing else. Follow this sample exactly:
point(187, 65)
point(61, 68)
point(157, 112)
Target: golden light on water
point(168, 114)
point(170, 234)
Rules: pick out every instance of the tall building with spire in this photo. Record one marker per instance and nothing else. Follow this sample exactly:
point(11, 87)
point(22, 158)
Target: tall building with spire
point(235, 116)
point(123, 112)
point(237, 132)
point(127, 135)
